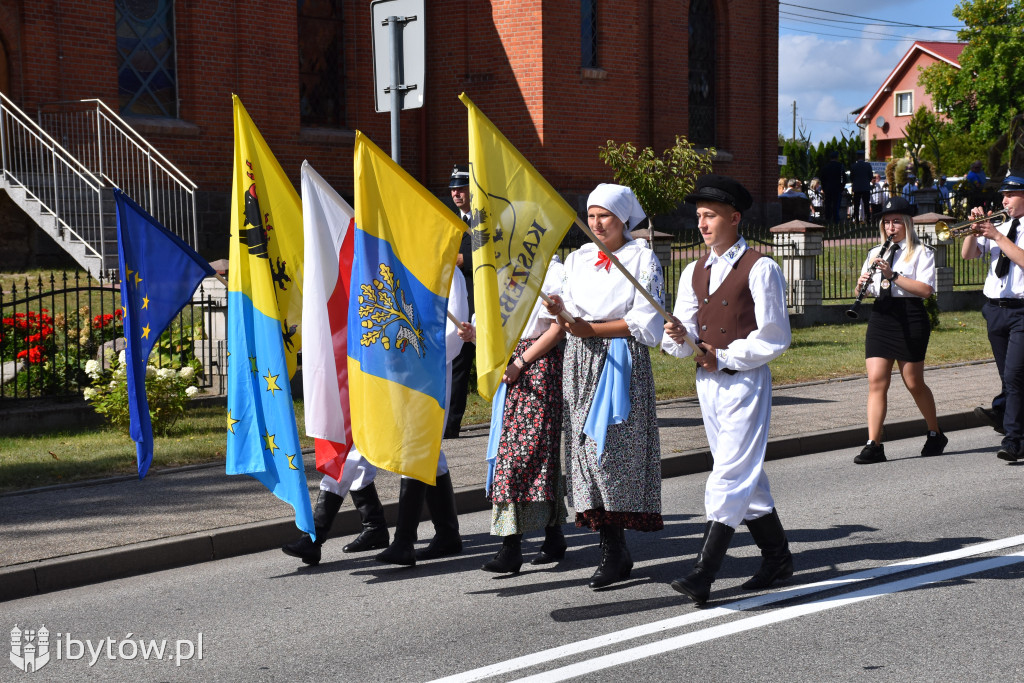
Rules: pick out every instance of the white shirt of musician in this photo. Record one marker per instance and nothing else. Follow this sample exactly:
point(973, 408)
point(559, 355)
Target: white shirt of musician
point(1011, 286)
point(920, 266)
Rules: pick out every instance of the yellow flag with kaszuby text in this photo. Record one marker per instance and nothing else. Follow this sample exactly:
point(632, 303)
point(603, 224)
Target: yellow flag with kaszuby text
point(517, 224)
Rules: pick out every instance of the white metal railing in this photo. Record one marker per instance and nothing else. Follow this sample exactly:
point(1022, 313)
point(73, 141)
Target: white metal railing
point(32, 160)
point(116, 152)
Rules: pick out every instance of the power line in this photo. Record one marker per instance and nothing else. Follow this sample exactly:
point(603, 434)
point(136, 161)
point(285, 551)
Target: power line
point(875, 22)
point(857, 33)
point(840, 35)
point(883, 21)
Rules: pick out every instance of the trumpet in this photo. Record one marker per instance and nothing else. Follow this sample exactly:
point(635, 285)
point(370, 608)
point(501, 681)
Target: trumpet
point(852, 311)
point(944, 231)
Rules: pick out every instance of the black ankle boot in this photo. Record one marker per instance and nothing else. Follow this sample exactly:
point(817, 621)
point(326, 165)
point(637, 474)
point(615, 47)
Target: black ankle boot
point(509, 559)
point(441, 505)
point(777, 561)
point(553, 548)
point(324, 512)
point(697, 584)
point(374, 535)
point(410, 506)
point(616, 564)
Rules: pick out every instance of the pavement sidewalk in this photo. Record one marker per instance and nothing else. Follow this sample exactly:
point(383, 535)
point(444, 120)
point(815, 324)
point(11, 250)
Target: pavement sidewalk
point(71, 535)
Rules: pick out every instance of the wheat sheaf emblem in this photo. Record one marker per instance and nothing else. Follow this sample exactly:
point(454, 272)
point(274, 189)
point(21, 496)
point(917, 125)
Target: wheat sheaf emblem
point(379, 307)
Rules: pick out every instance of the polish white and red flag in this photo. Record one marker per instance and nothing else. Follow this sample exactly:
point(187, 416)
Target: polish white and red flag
point(327, 222)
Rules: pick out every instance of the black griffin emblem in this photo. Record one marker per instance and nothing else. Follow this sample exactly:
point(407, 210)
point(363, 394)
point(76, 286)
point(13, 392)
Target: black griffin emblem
point(254, 235)
point(280, 276)
point(287, 333)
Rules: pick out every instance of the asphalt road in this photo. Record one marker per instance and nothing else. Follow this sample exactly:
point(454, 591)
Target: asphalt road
point(905, 571)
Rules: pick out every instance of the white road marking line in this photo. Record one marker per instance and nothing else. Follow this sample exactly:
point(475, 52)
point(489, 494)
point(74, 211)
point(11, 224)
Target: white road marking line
point(597, 642)
point(784, 614)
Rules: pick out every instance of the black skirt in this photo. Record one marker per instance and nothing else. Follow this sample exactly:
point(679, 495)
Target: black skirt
point(899, 329)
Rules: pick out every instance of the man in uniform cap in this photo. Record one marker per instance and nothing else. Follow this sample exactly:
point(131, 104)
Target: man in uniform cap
point(733, 303)
point(463, 365)
point(1004, 311)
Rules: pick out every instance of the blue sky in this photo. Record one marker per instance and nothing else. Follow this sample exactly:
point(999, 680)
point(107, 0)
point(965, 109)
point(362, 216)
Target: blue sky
point(830, 76)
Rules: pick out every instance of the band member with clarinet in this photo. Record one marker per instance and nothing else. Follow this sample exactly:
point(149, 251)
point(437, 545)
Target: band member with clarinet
point(1004, 310)
point(899, 328)
point(733, 302)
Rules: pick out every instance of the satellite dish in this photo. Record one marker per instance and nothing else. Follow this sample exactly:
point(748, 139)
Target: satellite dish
point(880, 122)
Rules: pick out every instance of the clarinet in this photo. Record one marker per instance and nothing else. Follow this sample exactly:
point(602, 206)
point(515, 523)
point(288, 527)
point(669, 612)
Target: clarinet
point(852, 311)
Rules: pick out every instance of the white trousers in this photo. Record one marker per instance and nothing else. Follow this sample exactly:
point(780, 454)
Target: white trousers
point(357, 474)
point(736, 410)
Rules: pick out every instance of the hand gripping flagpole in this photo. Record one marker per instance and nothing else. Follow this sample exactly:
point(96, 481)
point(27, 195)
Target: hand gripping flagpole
point(629, 276)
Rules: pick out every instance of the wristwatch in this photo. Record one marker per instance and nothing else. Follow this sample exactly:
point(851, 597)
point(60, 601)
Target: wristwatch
point(894, 276)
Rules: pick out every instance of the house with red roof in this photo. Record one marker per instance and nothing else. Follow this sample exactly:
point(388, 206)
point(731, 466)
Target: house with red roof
point(883, 118)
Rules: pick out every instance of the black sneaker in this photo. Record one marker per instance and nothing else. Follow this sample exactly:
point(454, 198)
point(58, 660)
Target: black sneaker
point(934, 444)
point(990, 417)
point(870, 454)
point(1008, 452)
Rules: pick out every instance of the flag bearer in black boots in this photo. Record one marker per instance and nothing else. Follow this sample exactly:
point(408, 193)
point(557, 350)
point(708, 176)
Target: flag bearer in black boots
point(356, 480)
point(440, 498)
point(733, 303)
point(1004, 311)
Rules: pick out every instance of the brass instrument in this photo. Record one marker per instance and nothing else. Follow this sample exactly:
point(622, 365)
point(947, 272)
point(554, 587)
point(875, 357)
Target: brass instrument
point(944, 231)
point(852, 311)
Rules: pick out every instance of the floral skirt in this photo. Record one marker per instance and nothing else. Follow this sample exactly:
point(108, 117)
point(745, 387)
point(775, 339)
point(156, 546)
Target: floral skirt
point(621, 486)
point(527, 491)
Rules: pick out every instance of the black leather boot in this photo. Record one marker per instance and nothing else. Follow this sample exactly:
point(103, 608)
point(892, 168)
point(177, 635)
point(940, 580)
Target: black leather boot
point(616, 564)
point(697, 584)
point(441, 505)
point(410, 506)
point(553, 548)
point(509, 559)
point(777, 561)
point(324, 512)
point(374, 535)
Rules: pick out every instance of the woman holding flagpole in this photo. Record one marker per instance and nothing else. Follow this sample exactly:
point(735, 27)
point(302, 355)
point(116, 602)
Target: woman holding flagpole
point(613, 458)
point(524, 481)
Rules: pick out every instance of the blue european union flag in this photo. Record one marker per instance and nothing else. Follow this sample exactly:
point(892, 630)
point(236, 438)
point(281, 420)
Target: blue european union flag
point(159, 274)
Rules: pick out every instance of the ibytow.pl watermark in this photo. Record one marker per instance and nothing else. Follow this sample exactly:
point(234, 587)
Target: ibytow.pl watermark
point(32, 649)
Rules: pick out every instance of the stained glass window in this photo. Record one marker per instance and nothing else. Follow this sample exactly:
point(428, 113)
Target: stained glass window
point(588, 34)
point(702, 73)
point(146, 70)
point(321, 64)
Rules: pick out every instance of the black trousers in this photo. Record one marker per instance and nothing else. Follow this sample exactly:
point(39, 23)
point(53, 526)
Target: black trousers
point(861, 206)
point(1006, 335)
point(462, 366)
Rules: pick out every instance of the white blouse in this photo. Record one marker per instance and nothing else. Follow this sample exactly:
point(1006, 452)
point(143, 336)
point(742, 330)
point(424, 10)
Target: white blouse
point(595, 294)
point(540, 320)
point(1011, 286)
point(920, 266)
point(768, 290)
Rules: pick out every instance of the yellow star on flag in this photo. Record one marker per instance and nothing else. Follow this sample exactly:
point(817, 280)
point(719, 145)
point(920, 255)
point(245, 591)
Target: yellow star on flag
point(268, 442)
point(231, 423)
point(272, 382)
point(137, 279)
point(252, 362)
point(291, 462)
point(145, 332)
point(145, 302)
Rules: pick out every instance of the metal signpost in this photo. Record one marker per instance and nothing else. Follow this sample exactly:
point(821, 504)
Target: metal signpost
point(398, 60)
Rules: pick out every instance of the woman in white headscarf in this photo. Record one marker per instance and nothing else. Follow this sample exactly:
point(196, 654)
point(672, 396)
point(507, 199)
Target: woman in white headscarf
point(613, 456)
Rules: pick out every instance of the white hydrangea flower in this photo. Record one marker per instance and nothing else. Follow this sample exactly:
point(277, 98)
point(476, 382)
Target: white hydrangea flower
point(150, 371)
point(92, 368)
point(187, 372)
point(164, 373)
point(89, 393)
point(120, 357)
point(192, 391)
point(112, 385)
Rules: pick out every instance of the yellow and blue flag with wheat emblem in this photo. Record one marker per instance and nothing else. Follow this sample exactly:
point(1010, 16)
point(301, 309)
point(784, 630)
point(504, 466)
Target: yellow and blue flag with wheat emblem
point(404, 251)
point(264, 311)
point(518, 222)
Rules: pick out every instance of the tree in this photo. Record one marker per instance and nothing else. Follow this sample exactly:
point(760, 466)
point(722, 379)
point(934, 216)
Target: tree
point(984, 94)
point(659, 183)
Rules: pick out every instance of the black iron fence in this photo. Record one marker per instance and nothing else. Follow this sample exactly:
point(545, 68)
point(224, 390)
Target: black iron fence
point(51, 326)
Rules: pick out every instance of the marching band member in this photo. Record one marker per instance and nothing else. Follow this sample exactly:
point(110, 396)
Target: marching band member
point(1004, 311)
point(899, 328)
point(617, 485)
point(733, 302)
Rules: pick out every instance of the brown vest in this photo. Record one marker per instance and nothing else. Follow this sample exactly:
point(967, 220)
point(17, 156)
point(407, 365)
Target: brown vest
point(728, 314)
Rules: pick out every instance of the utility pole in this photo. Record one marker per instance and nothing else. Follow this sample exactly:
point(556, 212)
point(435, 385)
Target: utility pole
point(794, 121)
